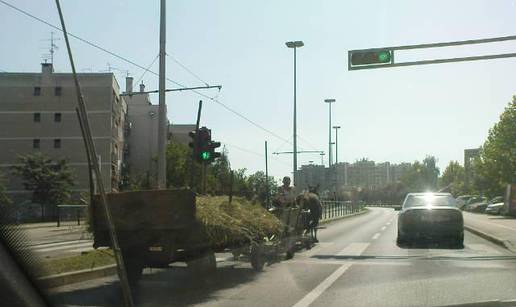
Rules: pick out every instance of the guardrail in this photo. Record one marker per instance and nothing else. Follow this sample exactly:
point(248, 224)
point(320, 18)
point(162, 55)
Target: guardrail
point(384, 205)
point(70, 212)
point(333, 209)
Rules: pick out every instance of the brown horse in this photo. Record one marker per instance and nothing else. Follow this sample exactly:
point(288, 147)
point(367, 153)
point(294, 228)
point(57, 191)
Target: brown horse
point(310, 201)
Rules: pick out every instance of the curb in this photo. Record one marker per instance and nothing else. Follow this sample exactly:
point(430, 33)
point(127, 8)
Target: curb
point(58, 280)
point(500, 242)
point(344, 216)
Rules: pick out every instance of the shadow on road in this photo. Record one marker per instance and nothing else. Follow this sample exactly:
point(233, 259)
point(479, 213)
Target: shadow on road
point(430, 245)
point(171, 287)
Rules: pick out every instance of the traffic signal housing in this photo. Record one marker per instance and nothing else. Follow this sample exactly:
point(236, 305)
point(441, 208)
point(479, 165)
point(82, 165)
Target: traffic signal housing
point(203, 148)
point(376, 57)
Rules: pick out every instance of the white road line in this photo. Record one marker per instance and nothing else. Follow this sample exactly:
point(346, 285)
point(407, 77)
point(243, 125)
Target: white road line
point(383, 228)
point(80, 250)
point(376, 235)
point(325, 284)
point(42, 250)
point(354, 249)
point(480, 247)
point(45, 245)
point(388, 224)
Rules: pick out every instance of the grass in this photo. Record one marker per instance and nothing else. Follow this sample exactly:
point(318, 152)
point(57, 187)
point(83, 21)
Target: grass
point(87, 260)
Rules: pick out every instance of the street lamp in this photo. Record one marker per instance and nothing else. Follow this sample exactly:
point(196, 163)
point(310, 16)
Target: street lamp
point(294, 45)
point(329, 102)
point(336, 144)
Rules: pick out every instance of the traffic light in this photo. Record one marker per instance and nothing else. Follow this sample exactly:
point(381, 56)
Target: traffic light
point(213, 154)
point(204, 153)
point(359, 58)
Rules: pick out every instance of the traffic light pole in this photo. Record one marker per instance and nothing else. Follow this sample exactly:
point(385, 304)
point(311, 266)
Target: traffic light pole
point(162, 109)
point(267, 199)
point(192, 163)
point(391, 50)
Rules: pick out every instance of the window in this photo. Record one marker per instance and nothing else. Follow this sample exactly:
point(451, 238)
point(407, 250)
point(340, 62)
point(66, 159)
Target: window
point(57, 91)
point(37, 117)
point(35, 143)
point(57, 143)
point(57, 117)
point(37, 91)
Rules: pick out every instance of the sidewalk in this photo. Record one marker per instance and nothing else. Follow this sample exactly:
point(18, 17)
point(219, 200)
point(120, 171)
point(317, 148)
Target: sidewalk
point(498, 229)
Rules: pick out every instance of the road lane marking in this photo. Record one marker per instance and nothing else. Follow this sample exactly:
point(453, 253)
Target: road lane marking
point(317, 248)
point(480, 247)
point(376, 235)
point(354, 249)
point(44, 245)
point(383, 228)
point(308, 299)
point(361, 262)
point(49, 249)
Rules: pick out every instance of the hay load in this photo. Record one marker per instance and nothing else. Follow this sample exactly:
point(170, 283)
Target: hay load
point(240, 221)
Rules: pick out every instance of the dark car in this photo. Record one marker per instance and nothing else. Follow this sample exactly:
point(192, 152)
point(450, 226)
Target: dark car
point(433, 216)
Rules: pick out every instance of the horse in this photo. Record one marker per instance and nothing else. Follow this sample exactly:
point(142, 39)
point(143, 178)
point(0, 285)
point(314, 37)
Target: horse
point(309, 200)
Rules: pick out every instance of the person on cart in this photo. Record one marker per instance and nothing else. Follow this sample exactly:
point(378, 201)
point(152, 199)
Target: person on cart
point(286, 196)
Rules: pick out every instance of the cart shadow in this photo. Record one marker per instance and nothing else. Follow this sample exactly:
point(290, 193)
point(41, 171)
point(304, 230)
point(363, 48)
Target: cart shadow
point(429, 245)
point(177, 286)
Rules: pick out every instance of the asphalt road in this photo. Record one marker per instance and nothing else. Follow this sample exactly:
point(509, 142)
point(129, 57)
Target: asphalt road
point(357, 263)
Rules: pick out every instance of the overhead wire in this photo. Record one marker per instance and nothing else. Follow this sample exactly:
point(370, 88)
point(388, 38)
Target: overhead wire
point(187, 69)
point(152, 72)
point(147, 69)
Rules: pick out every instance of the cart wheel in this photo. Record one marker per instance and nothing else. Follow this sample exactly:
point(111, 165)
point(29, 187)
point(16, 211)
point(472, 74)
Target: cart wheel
point(236, 254)
point(207, 263)
point(290, 254)
point(257, 258)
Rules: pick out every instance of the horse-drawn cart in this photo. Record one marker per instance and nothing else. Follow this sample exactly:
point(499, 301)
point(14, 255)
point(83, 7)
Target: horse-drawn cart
point(157, 228)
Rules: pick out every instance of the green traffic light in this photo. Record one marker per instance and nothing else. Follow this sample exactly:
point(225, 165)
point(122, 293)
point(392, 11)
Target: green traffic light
point(205, 155)
point(384, 56)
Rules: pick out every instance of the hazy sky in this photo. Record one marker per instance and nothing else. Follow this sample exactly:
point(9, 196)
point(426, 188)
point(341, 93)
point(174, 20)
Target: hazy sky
point(397, 114)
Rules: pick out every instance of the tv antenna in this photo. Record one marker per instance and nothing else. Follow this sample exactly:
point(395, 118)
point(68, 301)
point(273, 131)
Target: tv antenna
point(53, 47)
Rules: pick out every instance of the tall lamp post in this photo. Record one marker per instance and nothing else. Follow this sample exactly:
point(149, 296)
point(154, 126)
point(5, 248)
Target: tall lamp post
point(294, 45)
point(330, 160)
point(336, 143)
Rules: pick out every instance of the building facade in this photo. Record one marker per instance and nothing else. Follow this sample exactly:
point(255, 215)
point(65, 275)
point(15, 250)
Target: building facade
point(37, 114)
point(343, 176)
point(142, 147)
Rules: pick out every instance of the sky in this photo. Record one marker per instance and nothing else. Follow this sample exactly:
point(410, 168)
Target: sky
point(395, 114)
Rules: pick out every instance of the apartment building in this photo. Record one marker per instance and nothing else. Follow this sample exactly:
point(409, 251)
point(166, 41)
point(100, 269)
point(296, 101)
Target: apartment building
point(37, 113)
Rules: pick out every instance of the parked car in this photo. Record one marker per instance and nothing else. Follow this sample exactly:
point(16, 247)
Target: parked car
point(462, 200)
point(472, 204)
point(495, 208)
point(432, 216)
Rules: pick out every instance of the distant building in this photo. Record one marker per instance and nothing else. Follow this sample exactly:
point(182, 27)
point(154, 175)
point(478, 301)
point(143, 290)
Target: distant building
point(37, 113)
point(343, 176)
point(179, 133)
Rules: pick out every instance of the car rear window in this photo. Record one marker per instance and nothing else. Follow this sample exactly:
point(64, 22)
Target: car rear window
point(429, 200)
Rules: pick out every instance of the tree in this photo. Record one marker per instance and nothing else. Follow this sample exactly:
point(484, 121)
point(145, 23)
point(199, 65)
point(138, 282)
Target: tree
point(4, 199)
point(258, 186)
point(496, 166)
point(50, 181)
point(421, 176)
point(453, 177)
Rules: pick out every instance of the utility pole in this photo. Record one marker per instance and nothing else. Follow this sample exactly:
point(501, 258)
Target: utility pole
point(162, 110)
point(322, 158)
point(336, 143)
point(267, 199)
point(294, 45)
point(330, 160)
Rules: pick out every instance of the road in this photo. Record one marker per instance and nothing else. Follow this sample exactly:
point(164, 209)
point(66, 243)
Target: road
point(56, 242)
point(357, 263)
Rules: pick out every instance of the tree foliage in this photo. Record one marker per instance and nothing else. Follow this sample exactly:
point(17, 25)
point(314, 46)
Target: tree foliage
point(421, 176)
point(453, 179)
point(218, 175)
point(50, 181)
point(4, 199)
point(496, 166)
